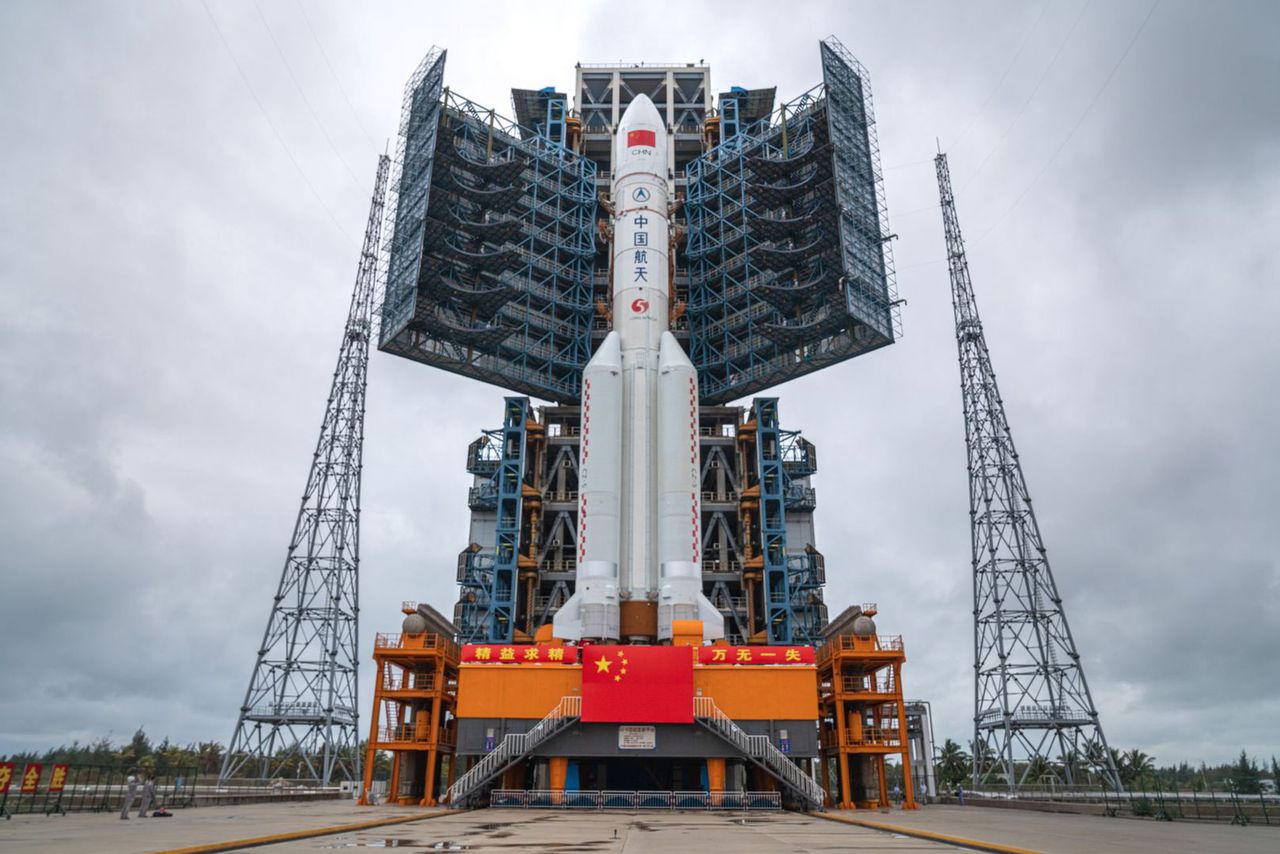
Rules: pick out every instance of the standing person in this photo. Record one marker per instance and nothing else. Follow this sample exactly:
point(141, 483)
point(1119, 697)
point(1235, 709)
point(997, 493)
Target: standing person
point(131, 792)
point(148, 794)
point(960, 793)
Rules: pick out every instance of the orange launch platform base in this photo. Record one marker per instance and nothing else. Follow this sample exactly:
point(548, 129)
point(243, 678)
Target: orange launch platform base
point(546, 716)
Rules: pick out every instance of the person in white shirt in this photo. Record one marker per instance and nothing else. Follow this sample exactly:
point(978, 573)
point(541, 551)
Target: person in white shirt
point(130, 793)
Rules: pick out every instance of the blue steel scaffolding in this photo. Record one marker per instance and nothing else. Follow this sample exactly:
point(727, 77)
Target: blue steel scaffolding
point(487, 578)
point(806, 570)
point(492, 245)
point(773, 525)
point(790, 270)
point(793, 579)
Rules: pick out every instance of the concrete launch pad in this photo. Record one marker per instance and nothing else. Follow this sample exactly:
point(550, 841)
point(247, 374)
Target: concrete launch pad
point(276, 827)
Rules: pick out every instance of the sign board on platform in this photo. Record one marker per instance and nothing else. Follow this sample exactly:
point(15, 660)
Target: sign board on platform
point(637, 737)
point(31, 777)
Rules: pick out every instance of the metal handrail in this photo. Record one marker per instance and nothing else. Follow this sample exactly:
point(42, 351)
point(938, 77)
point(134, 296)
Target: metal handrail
point(758, 747)
point(411, 733)
point(878, 736)
point(594, 799)
point(869, 684)
point(514, 746)
point(884, 643)
point(429, 641)
point(410, 680)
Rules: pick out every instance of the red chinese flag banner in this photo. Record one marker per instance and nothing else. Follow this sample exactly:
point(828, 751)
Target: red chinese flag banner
point(641, 137)
point(31, 777)
point(6, 776)
point(58, 780)
point(637, 684)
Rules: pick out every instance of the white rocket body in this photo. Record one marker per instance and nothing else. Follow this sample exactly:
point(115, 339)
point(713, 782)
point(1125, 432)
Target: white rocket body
point(639, 511)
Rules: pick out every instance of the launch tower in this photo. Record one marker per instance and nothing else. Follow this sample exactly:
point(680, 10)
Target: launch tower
point(1034, 717)
point(302, 701)
point(629, 262)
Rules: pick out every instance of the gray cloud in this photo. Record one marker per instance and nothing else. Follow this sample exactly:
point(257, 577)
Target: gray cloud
point(173, 291)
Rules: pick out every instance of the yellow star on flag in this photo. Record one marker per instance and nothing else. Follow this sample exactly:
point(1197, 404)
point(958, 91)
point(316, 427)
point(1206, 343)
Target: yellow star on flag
point(602, 665)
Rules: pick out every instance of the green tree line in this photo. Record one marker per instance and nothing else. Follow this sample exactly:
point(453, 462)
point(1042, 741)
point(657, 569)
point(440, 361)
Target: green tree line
point(166, 758)
point(1136, 768)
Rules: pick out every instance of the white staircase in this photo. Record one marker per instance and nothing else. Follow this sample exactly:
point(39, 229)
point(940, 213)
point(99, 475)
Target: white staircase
point(514, 747)
point(758, 748)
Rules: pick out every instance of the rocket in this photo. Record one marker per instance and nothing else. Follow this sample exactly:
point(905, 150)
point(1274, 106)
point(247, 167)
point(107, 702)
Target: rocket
point(639, 498)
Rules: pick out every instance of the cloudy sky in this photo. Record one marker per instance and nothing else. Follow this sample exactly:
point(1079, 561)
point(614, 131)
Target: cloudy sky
point(184, 189)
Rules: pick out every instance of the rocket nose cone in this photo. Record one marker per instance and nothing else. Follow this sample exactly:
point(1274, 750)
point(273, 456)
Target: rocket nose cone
point(641, 135)
point(642, 111)
point(609, 353)
point(671, 354)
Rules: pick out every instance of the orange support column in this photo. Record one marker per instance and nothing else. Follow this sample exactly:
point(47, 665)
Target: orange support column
point(429, 785)
point(908, 789)
point(846, 798)
point(393, 787)
point(559, 772)
point(715, 780)
point(371, 754)
point(433, 755)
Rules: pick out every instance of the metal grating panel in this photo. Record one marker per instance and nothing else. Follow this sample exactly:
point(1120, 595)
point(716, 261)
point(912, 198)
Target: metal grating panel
point(789, 266)
point(490, 260)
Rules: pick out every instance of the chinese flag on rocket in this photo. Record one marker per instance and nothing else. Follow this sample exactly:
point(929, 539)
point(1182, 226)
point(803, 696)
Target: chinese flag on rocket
point(641, 137)
point(637, 684)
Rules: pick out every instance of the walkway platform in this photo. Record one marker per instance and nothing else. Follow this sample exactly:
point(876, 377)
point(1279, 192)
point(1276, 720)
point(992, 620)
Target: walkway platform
point(297, 827)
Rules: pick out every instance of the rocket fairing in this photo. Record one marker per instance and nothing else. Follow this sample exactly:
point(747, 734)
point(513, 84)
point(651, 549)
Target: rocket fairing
point(639, 511)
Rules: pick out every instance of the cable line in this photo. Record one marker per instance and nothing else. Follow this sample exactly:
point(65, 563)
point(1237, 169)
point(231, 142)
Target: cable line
point(267, 117)
point(1079, 121)
point(324, 54)
point(311, 109)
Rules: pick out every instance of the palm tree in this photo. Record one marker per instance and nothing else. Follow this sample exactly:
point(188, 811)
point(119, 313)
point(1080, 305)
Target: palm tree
point(1122, 768)
point(990, 767)
point(209, 757)
point(1138, 765)
point(953, 764)
point(1071, 767)
point(1037, 770)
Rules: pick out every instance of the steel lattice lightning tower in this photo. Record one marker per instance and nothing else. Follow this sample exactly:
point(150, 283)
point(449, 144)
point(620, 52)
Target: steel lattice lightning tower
point(301, 706)
point(1034, 718)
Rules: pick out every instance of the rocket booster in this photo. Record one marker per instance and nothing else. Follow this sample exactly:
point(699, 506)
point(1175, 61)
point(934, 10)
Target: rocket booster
point(639, 507)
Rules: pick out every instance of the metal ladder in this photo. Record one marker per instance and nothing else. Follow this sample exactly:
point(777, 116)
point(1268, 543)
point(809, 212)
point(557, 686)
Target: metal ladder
point(513, 748)
point(758, 748)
